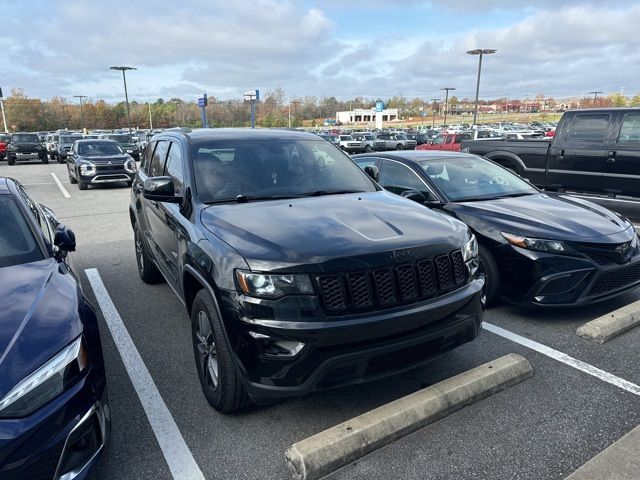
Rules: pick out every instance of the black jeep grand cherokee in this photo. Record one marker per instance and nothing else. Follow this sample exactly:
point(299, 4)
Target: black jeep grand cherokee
point(299, 272)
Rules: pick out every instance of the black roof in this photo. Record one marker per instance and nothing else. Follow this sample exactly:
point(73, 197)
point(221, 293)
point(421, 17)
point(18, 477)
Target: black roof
point(204, 134)
point(417, 155)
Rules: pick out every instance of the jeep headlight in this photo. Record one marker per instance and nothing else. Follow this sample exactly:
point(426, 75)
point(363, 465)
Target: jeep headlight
point(537, 244)
point(262, 285)
point(47, 382)
point(470, 249)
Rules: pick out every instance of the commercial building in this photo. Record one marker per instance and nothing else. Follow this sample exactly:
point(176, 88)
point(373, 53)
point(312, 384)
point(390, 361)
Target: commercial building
point(366, 115)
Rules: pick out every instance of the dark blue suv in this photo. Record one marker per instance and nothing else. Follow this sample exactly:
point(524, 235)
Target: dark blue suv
point(54, 419)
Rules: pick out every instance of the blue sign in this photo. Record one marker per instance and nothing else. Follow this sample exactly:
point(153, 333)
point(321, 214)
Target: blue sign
point(379, 106)
point(202, 101)
point(257, 95)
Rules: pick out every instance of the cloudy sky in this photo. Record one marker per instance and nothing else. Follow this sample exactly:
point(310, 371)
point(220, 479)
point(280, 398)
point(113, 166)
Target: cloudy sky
point(350, 48)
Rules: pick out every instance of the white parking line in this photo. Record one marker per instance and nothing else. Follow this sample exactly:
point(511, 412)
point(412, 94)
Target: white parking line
point(60, 186)
point(176, 452)
point(564, 358)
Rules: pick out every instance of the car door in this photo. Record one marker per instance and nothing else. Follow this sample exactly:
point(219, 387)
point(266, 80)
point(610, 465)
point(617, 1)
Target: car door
point(448, 144)
point(576, 161)
point(397, 178)
point(154, 216)
point(168, 230)
point(622, 165)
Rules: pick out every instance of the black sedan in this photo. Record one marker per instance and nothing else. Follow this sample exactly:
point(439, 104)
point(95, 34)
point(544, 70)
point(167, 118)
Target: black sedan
point(536, 248)
point(96, 162)
point(54, 419)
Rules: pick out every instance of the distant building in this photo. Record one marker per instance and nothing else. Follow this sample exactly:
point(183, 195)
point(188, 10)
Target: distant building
point(366, 115)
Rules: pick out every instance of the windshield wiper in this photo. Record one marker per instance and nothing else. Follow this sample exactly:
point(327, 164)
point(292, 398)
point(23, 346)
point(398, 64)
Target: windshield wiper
point(318, 193)
point(495, 197)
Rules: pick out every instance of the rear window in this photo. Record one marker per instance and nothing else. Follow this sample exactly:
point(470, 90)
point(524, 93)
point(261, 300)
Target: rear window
point(69, 138)
point(121, 138)
point(24, 137)
point(589, 127)
point(17, 244)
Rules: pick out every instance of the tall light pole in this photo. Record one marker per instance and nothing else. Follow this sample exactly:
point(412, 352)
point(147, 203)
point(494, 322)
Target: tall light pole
point(295, 103)
point(150, 120)
point(480, 52)
point(126, 95)
point(81, 108)
point(446, 103)
point(595, 96)
point(4, 119)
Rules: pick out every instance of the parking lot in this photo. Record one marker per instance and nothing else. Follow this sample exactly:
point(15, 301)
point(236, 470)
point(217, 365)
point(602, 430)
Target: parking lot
point(543, 428)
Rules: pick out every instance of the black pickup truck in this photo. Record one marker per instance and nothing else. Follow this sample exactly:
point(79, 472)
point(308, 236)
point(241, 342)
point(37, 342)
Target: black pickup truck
point(594, 150)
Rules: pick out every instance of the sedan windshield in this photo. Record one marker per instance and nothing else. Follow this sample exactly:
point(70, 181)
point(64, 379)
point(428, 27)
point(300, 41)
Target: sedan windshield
point(98, 149)
point(234, 170)
point(17, 244)
point(473, 178)
point(24, 137)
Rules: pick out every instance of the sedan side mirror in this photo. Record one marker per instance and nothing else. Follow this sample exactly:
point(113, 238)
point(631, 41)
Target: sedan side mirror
point(65, 239)
point(373, 172)
point(414, 195)
point(160, 189)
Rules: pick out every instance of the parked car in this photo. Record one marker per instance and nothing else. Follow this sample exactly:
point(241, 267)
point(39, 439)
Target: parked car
point(350, 145)
point(51, 145)
point(5, 138)
point(592, 151)
point(536, 249)
point(331, 138)
point(65, 142)
point(126, 142)
point(25, 146)
point(298, 271)
point(53, 401)
point(447, 141)
point(393, 141)
point(367, 139)
point(96, 162)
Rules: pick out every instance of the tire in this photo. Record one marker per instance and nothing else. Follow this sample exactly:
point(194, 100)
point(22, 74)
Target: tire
point(368, 149)
point(82, 185)
point(489, 268)
point(45, 160)
point(147, 270)
point(59, 159)
point(73, 180)
point(219, 380)
point(399, 147)
point(11, 161)
point(129, 184)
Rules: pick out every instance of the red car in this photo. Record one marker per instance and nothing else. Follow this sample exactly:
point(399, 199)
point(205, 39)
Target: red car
point(4, 141)
point(446, 141)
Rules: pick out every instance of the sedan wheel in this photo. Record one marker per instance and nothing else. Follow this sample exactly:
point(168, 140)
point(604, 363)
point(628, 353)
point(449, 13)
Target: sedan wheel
point(488, 268)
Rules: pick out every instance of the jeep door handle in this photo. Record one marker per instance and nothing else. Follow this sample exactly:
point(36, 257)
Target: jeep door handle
point(611, 156)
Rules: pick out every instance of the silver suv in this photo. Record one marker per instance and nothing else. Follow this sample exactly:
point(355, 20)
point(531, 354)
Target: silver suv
point(367, 139)
point(350, 145)
point(393, 141)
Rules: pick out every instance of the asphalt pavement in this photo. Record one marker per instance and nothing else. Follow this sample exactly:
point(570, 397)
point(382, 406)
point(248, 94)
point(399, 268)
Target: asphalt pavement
point(543, 428)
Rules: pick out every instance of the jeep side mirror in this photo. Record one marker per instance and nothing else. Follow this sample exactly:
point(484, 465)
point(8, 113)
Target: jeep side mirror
point(373, 172)
point(64, 239)
point(160, 189)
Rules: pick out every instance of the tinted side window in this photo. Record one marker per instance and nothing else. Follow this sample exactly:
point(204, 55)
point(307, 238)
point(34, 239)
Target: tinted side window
point(146, 157)
point(173, 167)
point(588, 127)
point(45, 228)
point(156, 168)
point(630, 131)
point(398, 178)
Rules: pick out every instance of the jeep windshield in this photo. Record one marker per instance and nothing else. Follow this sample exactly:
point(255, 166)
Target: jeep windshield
point(259, 170)
point(24, 138)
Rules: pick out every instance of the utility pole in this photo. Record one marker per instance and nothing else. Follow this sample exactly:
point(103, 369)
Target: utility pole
point(480, 52)
point(446, 102)
point(4, 119)
point(81, 108)
point(150, 120)
point(433, 123)
point(295, 109)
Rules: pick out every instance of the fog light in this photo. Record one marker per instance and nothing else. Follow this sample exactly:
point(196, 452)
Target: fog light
point(276, 347)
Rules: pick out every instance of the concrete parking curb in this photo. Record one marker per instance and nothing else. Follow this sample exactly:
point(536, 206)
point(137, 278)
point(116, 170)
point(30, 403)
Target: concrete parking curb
point(619, 461)
point(321, 454)
point(612, 324)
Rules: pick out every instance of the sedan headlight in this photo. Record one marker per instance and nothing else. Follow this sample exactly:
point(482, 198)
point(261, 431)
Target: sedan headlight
point(47, 382)
point(470, 249)
point(87, 168)
point(273, 286)
point(537, 244)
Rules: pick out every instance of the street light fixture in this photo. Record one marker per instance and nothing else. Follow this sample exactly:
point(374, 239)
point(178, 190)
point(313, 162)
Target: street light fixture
point(433, 123)
point(480, 52)
point(126, 95)
point(81, 108)
point(446, 103)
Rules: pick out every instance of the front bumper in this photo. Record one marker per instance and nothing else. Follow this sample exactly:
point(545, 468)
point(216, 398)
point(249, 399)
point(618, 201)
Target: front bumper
point(62, 440)
point(537, 279)
point(19, 156)
point(349, 349)
point(110, 176)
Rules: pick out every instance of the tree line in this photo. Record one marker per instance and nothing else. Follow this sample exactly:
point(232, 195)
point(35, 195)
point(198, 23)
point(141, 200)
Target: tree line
point(275, 109)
